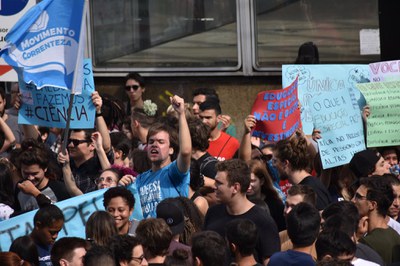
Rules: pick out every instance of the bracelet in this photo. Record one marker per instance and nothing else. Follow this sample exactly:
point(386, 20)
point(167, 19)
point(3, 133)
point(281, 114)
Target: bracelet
point(99, 114)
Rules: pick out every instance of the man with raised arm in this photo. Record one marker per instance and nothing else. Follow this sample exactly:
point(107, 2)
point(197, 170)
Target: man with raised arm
point(167, 177)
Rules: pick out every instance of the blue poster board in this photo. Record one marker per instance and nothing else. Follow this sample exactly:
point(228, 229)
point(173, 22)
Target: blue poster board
point(48, 106)
point(340, 125)
point(316, 79)
point(76, 210)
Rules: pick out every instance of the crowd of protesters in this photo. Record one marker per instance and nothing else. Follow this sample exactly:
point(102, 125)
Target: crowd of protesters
point(206, 197)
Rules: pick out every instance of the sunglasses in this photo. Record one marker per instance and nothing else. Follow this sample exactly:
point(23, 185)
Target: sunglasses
point(134, 87)
point(265, 158)
point(76, 142)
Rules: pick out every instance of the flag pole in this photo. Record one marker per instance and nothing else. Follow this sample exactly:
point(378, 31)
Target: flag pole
point(77, 64)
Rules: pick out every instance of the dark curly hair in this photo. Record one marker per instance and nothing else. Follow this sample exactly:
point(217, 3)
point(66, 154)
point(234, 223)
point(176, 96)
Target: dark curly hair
point(122, 192)
point(295, 151)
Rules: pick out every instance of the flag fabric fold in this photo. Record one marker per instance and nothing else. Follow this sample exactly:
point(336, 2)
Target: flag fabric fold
point(46, 43)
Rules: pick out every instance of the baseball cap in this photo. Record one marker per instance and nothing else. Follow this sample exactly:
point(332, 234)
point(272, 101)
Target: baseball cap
point(172, 215)
point(363, 162)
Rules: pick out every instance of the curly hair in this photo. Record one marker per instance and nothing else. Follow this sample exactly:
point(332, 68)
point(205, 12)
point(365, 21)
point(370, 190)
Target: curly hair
point(295, 151)
point(122, 192)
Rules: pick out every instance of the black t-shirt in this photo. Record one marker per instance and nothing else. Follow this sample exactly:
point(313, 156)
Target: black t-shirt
point(323, 196)
point(276, 208)
point(87, 172)
point(268, 241)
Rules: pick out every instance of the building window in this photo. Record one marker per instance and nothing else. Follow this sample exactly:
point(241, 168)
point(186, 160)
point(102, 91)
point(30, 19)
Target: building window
point(165, 35)
point(281, 26)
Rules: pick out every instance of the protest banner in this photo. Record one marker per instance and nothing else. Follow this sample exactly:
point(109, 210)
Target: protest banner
point(315, 79)
point(46, 43)
point(385, 71)
point(76, 212)
point(48, 106)
point(383, 125)
point(340, 125)
point(277, 113)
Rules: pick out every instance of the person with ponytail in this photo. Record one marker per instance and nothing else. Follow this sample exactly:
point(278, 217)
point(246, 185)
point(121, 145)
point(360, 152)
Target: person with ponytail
point(292, 159)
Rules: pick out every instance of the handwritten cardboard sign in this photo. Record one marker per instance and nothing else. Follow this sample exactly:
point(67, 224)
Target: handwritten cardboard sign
point(385, 71)
point(383, 125)
point(277, 113)
point(340, 125)
point(316, 79)
point(48, 106)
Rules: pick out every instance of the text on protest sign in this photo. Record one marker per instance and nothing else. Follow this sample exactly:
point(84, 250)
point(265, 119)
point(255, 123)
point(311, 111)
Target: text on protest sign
point(76, 210)
point(47, 42)
point(341, 128)
point(385, 71)
point(49, 105)
point(277, 113)
point(316, 79)
point(383, 125)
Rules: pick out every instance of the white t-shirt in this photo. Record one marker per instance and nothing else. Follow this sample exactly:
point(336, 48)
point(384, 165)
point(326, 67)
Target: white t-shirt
point(361, 262)
point(394, 224)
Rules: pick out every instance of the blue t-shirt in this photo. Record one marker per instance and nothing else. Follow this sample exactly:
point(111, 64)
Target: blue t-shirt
point(44, 255)
point(291, 258)
point(153, 187)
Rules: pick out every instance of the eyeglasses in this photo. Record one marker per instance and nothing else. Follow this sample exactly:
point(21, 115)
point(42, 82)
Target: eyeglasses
point(108, 180)
point(134, 87)
point(138, 259)
point(76, 142)
point(359, 197)
point(265, 157)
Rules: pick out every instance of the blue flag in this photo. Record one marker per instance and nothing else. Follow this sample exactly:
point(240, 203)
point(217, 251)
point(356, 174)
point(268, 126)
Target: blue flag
point(47, 43)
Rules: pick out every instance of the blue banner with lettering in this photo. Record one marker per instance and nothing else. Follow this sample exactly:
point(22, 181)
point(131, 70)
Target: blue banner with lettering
point(47, 42)
point(316, 79)
point(76, 212)
point(49, 106)
point(340, 125)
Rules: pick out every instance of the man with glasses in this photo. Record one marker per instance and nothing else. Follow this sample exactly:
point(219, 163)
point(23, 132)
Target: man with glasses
point(128, 250)
point(373, 199)
point(89, 157)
